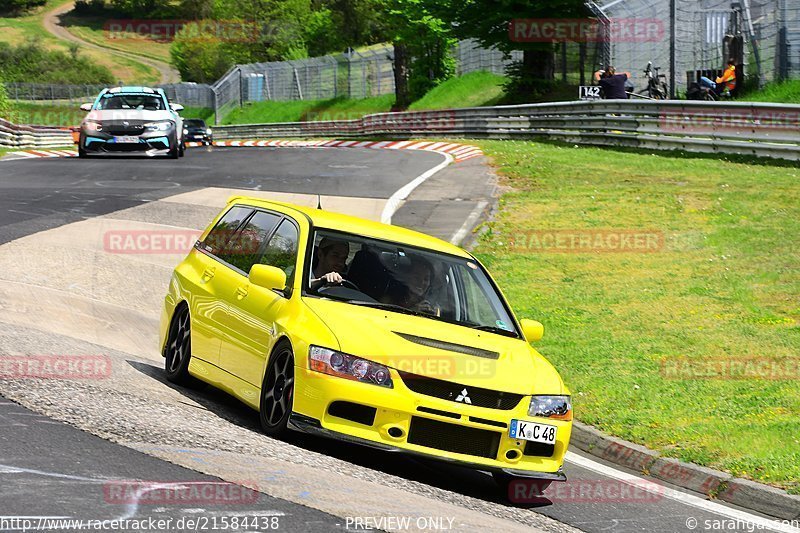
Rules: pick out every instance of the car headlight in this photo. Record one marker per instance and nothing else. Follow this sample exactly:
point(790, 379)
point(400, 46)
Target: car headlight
point(159, 126)
point(557, 407)
point(208, 131)
point(186, 132)
point(347, 366)
point(91, 125)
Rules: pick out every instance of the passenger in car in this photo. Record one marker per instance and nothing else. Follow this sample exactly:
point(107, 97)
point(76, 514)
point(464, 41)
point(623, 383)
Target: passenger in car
point(414, 293)
point(330, 263)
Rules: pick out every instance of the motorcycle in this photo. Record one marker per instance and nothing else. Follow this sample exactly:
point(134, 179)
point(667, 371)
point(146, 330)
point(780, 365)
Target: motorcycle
point(656, 88)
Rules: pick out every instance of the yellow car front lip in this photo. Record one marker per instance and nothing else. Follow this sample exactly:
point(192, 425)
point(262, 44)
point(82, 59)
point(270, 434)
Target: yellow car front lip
point(306, 424)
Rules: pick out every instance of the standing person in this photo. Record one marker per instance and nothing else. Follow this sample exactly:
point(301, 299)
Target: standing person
point(613, 84)
point(726, 81)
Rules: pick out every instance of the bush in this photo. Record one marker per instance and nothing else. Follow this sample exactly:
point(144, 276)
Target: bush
point(32, 63)
point(5, 105)
point(12, 7)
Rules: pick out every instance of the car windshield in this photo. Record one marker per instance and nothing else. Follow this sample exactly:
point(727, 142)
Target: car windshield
point(131, 101)
point(195, 123)
point(405, 279)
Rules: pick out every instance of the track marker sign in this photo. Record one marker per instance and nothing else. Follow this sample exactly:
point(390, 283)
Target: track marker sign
point(589, 92)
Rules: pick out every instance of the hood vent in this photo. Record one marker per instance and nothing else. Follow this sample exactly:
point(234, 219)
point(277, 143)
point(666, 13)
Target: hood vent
point(449, 346)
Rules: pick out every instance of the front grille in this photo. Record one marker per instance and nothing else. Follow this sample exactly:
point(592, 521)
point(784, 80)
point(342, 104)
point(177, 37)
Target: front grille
point(118, 128)
point(453, 438)
point(539, 449)
point(452, 391)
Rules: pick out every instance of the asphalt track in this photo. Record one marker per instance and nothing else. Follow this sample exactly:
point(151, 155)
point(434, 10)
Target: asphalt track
point(46, 466)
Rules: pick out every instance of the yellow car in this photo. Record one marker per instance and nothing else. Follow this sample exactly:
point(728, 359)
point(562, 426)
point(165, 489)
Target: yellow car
point(365, 332)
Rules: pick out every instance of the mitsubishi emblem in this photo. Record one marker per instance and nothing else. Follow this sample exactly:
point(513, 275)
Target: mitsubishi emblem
point(464, 397)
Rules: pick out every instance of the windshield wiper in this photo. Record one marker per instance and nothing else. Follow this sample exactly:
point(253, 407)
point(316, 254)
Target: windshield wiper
point(493, 329)
point(390, 307)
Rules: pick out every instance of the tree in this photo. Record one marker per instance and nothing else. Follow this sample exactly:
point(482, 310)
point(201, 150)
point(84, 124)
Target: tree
point(422, 43)
point(8, 7)
point(488, 21)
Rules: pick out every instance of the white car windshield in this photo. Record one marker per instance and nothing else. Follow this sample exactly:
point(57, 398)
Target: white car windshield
point(405, 279)
point(131, 101)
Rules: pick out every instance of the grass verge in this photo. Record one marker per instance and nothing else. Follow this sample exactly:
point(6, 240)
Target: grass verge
point(786, 92)
point(31, 26)
point(723, 289)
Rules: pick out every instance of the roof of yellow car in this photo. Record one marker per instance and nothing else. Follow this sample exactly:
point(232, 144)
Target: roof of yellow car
point(358, 226)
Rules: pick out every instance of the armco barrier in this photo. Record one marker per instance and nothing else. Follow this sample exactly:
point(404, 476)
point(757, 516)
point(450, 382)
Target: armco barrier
point(766, 130)
point(16, 136)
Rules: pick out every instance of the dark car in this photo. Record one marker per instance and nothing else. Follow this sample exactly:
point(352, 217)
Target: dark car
point(196, 130)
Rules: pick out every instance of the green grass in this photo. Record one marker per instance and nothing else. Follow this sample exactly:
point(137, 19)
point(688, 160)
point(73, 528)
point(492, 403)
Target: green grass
point(91, 29)
point(787, 92)
point(15, 30)
point(311, 110)
point(725, 286)
point(471, 90)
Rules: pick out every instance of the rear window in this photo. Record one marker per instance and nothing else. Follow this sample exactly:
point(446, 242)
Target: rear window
point(146, 102)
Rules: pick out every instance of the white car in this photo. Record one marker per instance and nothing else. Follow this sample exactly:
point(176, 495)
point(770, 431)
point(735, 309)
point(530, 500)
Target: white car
point(125, 120)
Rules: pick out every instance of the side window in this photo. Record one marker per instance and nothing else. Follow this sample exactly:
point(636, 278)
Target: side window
point(244, 247)
point(281, 252)
point(217, 239)
point(479, 309)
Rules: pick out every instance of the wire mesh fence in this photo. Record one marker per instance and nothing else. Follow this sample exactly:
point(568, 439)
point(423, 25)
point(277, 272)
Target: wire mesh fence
point(703, 30)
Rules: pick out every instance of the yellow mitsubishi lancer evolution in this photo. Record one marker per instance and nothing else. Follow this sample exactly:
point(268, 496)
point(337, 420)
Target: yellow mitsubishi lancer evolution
point(365, 332)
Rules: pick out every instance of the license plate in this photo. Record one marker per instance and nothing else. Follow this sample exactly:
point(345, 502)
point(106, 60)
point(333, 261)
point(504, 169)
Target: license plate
point(520, 429)
point(126, 140)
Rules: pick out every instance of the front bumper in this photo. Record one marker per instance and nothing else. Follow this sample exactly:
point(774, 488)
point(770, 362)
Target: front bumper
point(412, 423)
point(150, 143)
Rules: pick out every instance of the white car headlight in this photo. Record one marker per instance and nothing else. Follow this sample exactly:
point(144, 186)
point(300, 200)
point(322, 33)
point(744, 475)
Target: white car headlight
point(557, 407)
point(163, 125)
point(91, 125)
point(186, 132)
point(347, 366)
point(208, 131)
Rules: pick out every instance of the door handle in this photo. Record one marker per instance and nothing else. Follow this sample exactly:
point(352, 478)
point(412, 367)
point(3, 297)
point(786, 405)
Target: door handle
point(241, 292)
point(209, 273)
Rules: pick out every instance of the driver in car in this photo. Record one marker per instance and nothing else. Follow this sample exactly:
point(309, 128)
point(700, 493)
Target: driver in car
point(331, 263)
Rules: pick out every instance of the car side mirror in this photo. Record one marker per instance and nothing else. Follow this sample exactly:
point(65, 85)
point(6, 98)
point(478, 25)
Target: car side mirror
point(268, 277)
point(176, 107)
point(533, 330)
point(86, 107)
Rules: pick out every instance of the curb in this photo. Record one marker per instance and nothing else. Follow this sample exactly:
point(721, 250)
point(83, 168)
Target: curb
point(714, 484)
point(459, 152)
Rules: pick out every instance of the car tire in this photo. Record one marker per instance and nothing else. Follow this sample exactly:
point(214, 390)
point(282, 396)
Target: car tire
point(277, 391)
point(82, 153)
point(178, 352)
point(182, 150)
point(533, 487)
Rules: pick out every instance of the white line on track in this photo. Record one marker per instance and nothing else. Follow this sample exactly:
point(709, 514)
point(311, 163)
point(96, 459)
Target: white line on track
point(401, 194)
point(762, 524)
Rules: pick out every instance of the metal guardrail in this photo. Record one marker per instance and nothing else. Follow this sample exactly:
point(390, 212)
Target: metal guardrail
point(765, 130)
point(17, 136)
